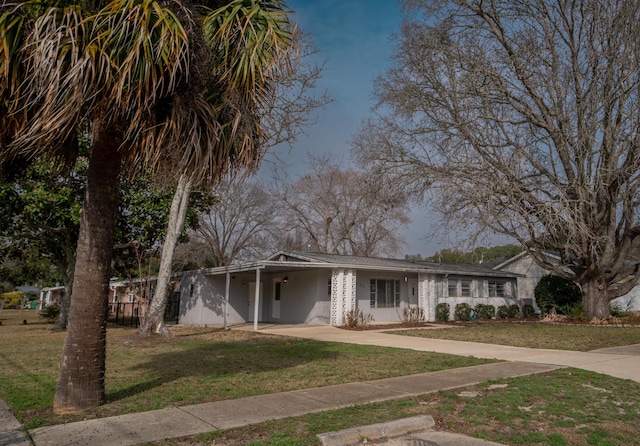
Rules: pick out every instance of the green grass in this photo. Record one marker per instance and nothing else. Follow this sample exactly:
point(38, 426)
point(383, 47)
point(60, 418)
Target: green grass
point(198, 365)
point(534, 335)
point(565, 407)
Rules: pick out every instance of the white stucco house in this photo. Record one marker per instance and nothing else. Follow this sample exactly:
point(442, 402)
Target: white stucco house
point(530, 273)
point(313, 288)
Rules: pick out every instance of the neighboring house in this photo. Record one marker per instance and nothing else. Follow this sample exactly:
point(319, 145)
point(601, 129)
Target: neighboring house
point(50, 296)
point(531, 273)
point(312, 288)
point(126, 297)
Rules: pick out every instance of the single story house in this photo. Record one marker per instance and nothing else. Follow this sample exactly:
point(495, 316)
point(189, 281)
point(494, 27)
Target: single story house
point(314, 288)
point(530, 274)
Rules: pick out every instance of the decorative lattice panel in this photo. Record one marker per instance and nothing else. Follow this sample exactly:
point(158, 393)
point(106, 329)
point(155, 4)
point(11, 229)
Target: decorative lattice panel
point(334, 297)
point(349, 291)
point(427, 296)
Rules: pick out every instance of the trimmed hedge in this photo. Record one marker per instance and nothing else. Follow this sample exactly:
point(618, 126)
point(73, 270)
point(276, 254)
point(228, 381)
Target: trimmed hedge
point(463, 312)
point(443, 310)
point(485, 311)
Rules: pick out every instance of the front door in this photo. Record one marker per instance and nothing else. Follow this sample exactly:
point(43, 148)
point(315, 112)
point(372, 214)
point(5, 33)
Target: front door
point(252, 302)
point(413, 292)
point(275, 305)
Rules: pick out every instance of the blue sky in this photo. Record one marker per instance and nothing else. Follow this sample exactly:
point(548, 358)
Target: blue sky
point(355, 42)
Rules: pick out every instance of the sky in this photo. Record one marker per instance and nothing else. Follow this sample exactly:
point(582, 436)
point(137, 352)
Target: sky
point(355, 42)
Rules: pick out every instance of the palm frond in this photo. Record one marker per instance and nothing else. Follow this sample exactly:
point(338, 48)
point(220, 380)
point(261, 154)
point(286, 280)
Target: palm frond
point(149, 48)
point(248, 38)
point(49, 81)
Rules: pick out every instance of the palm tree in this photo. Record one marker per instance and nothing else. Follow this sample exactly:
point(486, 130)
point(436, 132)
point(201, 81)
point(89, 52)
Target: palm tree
point(141, 77)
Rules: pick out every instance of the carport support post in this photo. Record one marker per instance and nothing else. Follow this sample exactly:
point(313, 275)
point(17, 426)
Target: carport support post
point(226, 300)
point(257, 299)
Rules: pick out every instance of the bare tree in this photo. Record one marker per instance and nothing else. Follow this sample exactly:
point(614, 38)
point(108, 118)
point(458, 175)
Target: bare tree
point(523, 118)
point(240, 225)
point(344, 211)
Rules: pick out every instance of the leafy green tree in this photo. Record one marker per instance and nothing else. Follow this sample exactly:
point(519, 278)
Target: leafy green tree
point(41, 222)
point(494, 254)
point(158, 84)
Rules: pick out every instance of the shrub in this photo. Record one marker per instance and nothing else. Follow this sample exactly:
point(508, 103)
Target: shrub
point(12, 299)
point(557, 293)
point(513, 311)
point(485, 311)
point(356, 318)
point(411, 315)
point(463, 312)
point(572, 311)
point(443, 310)
point(503, 312)
point(528, 310)
point(50, 312)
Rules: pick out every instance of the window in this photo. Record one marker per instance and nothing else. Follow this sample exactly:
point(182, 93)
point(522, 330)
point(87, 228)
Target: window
point(459, 287)
point(453, 288)
point(497, 288)
point(465, 288)
point(384, 293)
point(132, 297)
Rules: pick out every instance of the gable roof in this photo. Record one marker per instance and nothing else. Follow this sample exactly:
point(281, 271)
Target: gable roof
point(549, 254)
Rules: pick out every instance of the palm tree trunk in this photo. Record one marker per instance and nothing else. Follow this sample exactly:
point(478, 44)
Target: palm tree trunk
point(154, 320)
point(82, 368)
point(63, 318)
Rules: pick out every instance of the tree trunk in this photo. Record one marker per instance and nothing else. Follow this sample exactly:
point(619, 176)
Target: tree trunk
point(82, 368)
point(63, 318)
point(154, 320)
point(595, 302)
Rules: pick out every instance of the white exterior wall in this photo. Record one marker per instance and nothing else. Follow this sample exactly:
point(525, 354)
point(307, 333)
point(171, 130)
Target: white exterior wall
point(205, 304)
point(527, 285)
point(304, 298)
point(363, 295)
point(628, 302)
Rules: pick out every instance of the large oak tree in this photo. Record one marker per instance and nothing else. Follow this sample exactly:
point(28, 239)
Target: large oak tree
point(522, 117)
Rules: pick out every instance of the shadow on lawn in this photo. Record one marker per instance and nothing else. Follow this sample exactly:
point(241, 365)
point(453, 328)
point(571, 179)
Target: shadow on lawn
point(243, 361)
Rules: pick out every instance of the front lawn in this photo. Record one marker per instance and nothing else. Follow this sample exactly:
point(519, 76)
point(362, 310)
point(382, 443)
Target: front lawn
point(533, 334)
point(198, 365)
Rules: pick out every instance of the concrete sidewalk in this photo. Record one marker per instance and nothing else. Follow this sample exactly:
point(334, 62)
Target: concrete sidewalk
point(620, 362)
point(131, 429)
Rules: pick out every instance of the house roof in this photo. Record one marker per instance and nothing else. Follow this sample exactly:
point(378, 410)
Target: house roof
point(292, 260)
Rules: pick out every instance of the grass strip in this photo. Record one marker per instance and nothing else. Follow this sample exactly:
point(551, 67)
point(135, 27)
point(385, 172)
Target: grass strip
point(533, 335)
point(566, 407)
